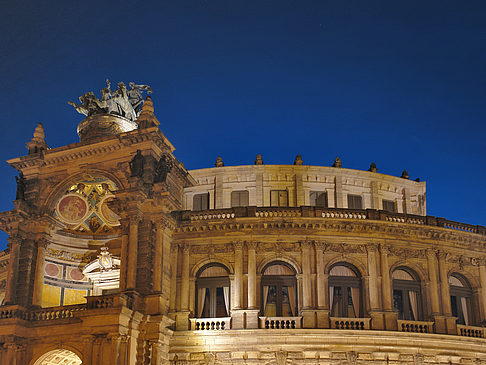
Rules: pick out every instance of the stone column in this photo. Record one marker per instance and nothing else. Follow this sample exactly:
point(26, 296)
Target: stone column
point(39, 272)
point(482, 297)
point(124, 255)
point(14, 243)
point(132, 253)
point(253, 310)
point(322, 289)
point(252, 288)
point(182, 318)
point(445, 294)
point(375, 310)
point(173, 278)
point(236, 302)
point(391, 316)
point(159, 242)
point(434, 291)
point(185, 278)
point(306, 269)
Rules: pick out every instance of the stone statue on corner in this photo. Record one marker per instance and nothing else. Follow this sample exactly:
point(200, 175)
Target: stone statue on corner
point(137, 165)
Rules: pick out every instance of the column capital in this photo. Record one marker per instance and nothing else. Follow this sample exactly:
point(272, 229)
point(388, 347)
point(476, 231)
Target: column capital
point(185, 247)
point(238, 245)
point(321, 245)
point(385, 249)
point(251, 245)
point(135, 218)
point(443, 255)
point(431, 251)
point(371, 247)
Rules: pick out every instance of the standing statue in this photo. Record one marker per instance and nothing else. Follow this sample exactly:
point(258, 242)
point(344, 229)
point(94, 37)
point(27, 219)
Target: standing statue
point(137, 164)
point(135, 96)
point(122, 102)
point(162, 168)
point(20, 194)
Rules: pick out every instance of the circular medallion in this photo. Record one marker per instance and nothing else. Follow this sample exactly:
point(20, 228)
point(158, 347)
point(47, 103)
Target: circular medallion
point(72, 208)
point(76, 274)
point(109, 216)
point(51, 270)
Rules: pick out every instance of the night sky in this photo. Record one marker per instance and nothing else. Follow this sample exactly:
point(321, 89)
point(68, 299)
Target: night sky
point(400, 83)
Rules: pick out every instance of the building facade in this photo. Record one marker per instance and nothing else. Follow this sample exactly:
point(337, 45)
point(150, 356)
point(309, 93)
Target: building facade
point(119, 255)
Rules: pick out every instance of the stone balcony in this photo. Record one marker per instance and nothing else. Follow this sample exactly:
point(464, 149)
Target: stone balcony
point(229, 214)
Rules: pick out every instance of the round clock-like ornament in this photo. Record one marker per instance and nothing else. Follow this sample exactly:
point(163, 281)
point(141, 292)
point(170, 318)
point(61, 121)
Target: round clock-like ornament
point(72, 208)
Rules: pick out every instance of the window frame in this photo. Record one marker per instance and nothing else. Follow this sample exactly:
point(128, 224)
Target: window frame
point(324, 193)
point(387, 201)
point(279, 203)
point(239, 194)
point(212, 283)
point(279, 281)
point(345, 282)
point(200, 196)
point(406, 286)
point(458, 292)
point(350, 197)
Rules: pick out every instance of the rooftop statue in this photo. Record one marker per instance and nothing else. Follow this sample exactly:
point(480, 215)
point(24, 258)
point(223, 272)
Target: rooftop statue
point(123, 102)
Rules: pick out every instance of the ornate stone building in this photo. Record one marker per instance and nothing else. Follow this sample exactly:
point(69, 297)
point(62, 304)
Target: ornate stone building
point(118, 255)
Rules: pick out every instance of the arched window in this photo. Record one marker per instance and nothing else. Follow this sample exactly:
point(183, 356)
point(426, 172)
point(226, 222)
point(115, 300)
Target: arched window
point(212, 292)
point(345, 291)
point(279, 285)
point(461, 295)
point(407, 300)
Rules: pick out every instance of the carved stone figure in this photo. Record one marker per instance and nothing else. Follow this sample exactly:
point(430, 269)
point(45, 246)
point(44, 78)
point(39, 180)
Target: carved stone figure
point(162, 168)
point(122, 102)
point(20, 195)
point(135, 95)
point(258, 160)
point(337, 163)
point(137, 164)
point(219, 162)
point(373, 167)
point(405, 175)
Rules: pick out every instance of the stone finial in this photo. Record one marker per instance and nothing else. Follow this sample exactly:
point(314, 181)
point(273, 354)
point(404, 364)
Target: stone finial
point(373, 167)
point(417, 179)
point(219, 162)
point(405, 175)
point(298, 160)
point(37, 143)
point(337, 163)
point(147, 118)
point(258, 160)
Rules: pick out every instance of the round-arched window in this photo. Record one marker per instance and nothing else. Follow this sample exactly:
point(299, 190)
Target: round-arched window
point(407, 299)
point(278, 293)
point(345, 298)
point(461, 299)
point(212, 292)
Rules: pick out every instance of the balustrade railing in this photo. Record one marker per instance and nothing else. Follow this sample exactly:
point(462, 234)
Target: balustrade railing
point(327, 213)
point(280, 322)
point(350, 323)
point(470, 331)
point(210, 324)
point(415, 326)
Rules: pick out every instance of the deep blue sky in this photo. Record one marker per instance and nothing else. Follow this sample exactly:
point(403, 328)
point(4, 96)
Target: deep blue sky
point(401, 83)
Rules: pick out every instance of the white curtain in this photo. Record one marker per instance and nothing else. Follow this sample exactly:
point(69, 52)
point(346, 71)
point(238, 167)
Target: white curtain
point(201, 296)
point(464, 311)
point(265, 296)
point(341, 271)
point(291, 291)
point(331, 298)
point(226, 298)
point(413, 303)
point(355, 299)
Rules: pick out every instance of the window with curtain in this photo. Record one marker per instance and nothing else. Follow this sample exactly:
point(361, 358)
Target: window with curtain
point(279, 290)
point(461, 299)
point(318, 199)
point(355, 201)
point(345, 291)
point(407, 300)
point(200, 201)
point(239, 198)
point(212, 292)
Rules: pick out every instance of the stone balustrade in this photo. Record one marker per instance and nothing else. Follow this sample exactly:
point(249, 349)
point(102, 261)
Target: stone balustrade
point(415, 326)
point(210, 324)
point(280, 322)
point(470, 331)
point(53, 313)
point(350, 323)
point(326, 213)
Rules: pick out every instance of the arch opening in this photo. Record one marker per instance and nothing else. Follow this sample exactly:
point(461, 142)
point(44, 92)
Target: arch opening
point(59, 356)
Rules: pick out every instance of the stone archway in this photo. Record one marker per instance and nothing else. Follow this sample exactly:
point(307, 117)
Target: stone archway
point(60, 356)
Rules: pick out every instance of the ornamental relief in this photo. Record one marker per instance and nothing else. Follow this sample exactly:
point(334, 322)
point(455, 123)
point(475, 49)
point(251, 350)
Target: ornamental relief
point(406, 253)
